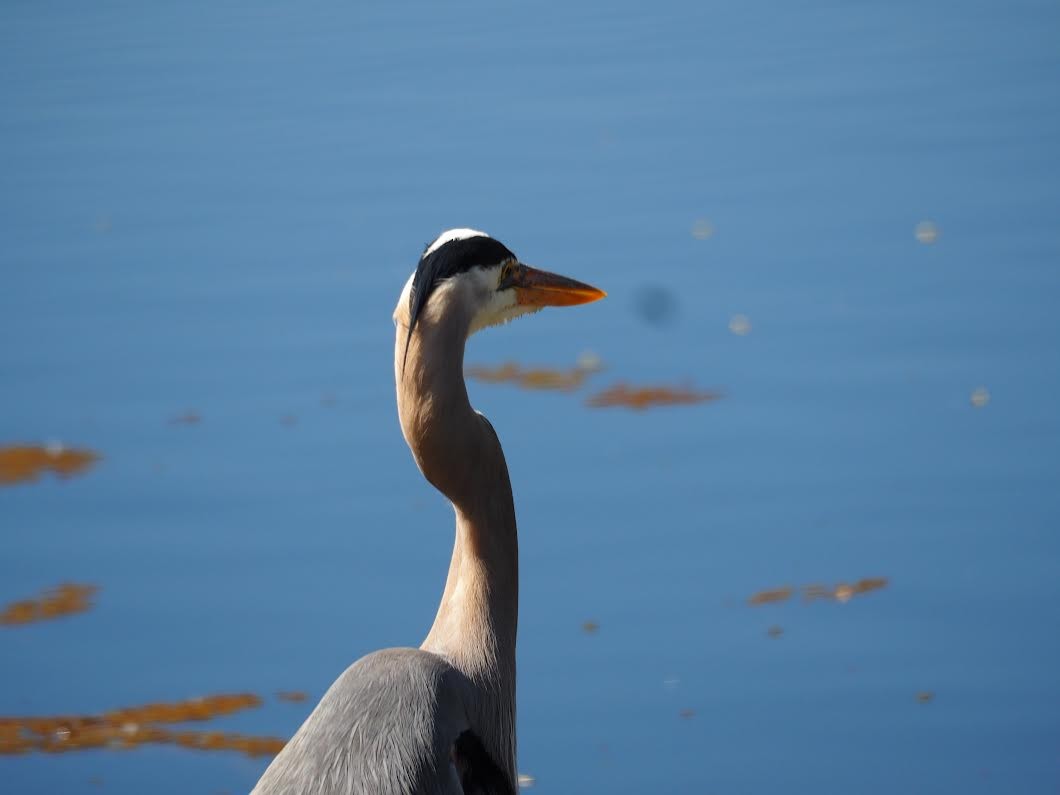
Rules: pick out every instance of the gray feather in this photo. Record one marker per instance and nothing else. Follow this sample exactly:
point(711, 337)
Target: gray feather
point(386, 726)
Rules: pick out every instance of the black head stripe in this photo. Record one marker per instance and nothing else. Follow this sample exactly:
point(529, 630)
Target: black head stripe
point(448, 260)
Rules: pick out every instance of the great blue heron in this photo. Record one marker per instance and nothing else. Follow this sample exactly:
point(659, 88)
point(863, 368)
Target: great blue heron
point(440, 718)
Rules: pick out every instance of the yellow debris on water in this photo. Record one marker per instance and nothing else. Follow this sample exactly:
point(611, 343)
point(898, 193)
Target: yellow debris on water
point(565, 380)
point(130, 727)
point(640, 398)
point(23, 462)
point(64, 600)
point(771, 595)
point(841, 592)
point(292, 696)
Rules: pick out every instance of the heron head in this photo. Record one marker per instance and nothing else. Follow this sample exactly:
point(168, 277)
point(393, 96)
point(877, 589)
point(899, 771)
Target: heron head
point(469, 267)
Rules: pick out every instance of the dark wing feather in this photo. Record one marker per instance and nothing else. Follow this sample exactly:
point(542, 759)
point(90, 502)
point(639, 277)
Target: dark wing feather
point(479, 774)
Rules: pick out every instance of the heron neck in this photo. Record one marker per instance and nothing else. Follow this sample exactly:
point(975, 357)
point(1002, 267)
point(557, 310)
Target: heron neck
point(457, 450)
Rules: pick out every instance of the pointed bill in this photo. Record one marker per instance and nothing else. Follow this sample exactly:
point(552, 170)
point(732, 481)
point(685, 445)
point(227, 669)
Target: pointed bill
point(534, 287)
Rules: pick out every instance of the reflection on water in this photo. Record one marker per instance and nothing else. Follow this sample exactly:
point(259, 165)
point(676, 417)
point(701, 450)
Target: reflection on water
point(702, 229)
point(640, 398)
point(67, 599)
point(841, 592)
point(130, 727)
point(740, 325)
point(20, 463)
point(926, 232)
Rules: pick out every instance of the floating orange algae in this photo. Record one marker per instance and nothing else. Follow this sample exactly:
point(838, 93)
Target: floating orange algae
point(842, 592)
point(129, 737)
point(640, 398)
point(541, 378)
point(293, 696)
point(19, 463)
point(771, 595)
point(223, 741)
point(203, 708)
point(134, 726)
point(67, 599)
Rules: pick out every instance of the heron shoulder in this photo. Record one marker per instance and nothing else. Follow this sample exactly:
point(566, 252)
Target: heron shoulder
point(386, 725)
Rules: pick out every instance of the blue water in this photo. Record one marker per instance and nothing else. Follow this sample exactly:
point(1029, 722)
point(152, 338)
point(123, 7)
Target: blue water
point(214, 207)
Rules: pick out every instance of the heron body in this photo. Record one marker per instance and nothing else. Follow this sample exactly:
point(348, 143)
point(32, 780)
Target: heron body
point(441, 718)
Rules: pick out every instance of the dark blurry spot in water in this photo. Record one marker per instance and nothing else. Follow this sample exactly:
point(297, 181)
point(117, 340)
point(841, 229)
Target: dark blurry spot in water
point(191, 417)
point(924, 697)
point(590, 627)
point(656, 305)
point(640, 398)
point(775, 631)
point(123, 729)
point(21, 463)
point(67, 599)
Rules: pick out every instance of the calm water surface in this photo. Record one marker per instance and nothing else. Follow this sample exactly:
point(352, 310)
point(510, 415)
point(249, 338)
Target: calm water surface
point(212, 209)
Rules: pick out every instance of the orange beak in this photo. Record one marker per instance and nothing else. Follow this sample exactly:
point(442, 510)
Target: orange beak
point(541, 288)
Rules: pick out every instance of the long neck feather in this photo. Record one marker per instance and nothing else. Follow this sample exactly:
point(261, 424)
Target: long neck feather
point(457, 450)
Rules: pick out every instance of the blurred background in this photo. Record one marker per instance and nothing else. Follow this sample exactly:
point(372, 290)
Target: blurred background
point(788, 498)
